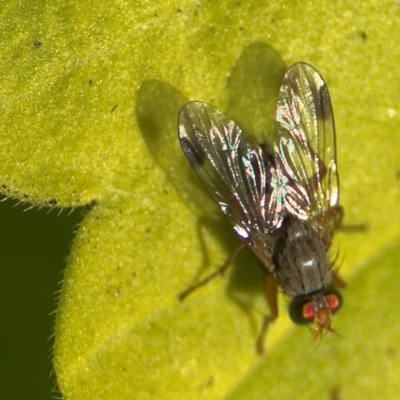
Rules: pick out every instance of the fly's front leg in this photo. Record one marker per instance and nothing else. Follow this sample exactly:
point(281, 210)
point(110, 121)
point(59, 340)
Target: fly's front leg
point(271, 288)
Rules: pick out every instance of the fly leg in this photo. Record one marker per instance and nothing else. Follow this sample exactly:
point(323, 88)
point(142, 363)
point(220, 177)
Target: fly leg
point(337, 212)
point(332, 220)
point(354, 228)
point(220, 271)
point(338, 281)
point(271, 287)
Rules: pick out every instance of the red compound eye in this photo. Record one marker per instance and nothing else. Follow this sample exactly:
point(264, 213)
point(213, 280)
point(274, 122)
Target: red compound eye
point(333, 301)
point(308, 311)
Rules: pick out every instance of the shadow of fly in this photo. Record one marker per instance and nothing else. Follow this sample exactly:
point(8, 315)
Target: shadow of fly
point(282, 200)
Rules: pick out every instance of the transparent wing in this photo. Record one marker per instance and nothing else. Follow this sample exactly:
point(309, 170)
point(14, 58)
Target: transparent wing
point(306, 180)
point(234, 169)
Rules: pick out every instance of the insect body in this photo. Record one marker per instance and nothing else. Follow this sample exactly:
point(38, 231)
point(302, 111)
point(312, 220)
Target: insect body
point(281, 200)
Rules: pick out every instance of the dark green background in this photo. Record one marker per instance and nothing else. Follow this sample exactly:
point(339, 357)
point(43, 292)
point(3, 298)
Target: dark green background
point(33, 250)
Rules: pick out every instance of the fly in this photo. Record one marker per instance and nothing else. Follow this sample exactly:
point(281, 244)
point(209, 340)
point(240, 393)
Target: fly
point(281, 200)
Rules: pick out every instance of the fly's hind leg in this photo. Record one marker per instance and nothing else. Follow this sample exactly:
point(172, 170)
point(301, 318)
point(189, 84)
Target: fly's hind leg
point(271, 287)
point(220, 271)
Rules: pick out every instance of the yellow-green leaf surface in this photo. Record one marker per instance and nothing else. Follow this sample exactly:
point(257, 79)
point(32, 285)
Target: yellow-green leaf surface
point(89, 96)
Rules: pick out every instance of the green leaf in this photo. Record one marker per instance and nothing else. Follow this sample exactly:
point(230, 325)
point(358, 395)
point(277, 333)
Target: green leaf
point(90, 95)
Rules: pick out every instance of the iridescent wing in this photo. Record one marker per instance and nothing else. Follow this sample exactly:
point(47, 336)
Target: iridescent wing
point(306, 180)
point(235, 170)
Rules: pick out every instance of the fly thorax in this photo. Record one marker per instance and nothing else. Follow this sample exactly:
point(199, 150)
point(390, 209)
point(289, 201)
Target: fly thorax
point(302, 263)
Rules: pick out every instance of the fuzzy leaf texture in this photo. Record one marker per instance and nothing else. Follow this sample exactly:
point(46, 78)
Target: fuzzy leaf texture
point(89, 97)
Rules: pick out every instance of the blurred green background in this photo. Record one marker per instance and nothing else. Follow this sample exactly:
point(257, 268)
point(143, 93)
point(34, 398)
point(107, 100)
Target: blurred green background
point(33, 247)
